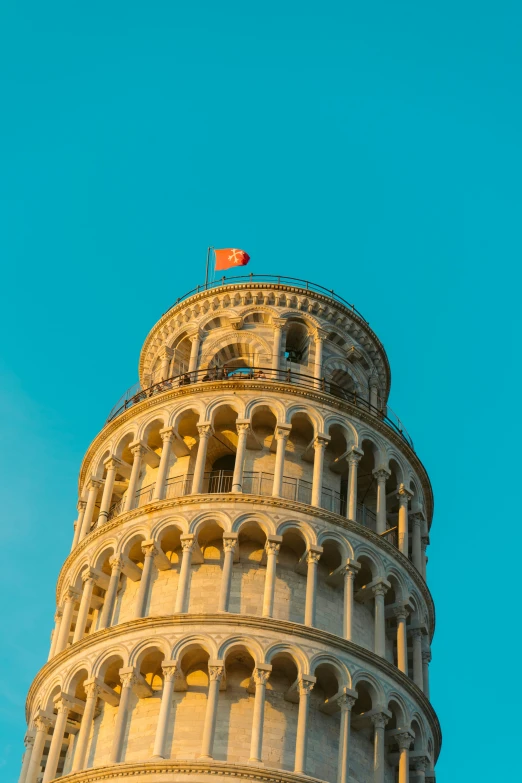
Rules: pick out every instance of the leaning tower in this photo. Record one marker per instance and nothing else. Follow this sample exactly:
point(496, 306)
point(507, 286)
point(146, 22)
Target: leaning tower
point(246, 591)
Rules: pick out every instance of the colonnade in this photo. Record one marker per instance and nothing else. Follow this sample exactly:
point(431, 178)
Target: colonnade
point(281, 436)
point(132, 680)
point(154, 556)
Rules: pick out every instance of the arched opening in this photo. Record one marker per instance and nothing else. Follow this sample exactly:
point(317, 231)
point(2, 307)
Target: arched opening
point(248, 574)
point(329, 607)
point(207, 569)
point(290, 584)
point(296, 345)
point(364, 604)
point(324, 724)
point(189, 703)
point(221, 451)
point(235, 708)
point(362, 730)
point(281, 710)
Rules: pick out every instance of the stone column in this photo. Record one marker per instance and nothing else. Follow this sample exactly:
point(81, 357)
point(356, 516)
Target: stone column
point(404, 741)
point(128, 680)
point(305, 686)
point(243, 428)
point(281, 435)
point(82, 504)
point(29, 743)
point(42, 726)
point(169, 675)
point(149, 550)
point(381, 476)
point(350, 572)
point(165, 355)
point(94, 485)
point(318, 370)
point(278, 324)
point(63, 704)
point(379, 591)
point(353, 460)
point(379, 723)
point(116, 563)
point(424, 544)
point(401, 613)
point(426, 658)
point(194, 352)
point(260, 675)
point(416, 542)
point(205, 433)
point(112, 464)
point(137, 450)
point(89, 578)
point(312, 558)
point(229, 546)
point(71, 596)
point(320, 443)
point(167, 435)
point(374, 392)
point(215, 674)
point(92, 691)
point(343, 764)
point(272, 549)
point(403, 496)
point(420, 768)
point(187, 544)
point(56, 633)
point(416, 637)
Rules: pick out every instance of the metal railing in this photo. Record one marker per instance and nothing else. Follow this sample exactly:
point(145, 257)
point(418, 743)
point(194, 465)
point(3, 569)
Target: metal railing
point(247, 374)
point(295, 282)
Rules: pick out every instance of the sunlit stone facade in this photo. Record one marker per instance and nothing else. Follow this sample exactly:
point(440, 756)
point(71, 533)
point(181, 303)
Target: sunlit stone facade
point(246, 590)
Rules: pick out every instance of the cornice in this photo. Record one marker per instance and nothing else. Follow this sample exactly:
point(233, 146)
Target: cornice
point(303, 632)
point(265, 501)
point(267, 386)
point(181, 768)
point(227, 288)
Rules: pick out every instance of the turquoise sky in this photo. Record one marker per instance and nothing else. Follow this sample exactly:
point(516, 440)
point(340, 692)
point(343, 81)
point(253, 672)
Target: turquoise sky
point(372, 147)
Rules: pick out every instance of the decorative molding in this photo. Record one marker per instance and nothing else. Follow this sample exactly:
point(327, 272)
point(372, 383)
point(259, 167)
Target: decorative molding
point(296, 630)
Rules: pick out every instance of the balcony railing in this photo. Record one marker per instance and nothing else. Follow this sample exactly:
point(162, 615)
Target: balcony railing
point(247, 375)
point(295, 282)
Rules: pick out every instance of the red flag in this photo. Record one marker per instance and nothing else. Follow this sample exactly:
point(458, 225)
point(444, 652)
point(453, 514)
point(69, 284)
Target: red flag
point(230, 256)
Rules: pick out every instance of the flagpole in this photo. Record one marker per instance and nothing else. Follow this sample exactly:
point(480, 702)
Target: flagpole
point(206, 270)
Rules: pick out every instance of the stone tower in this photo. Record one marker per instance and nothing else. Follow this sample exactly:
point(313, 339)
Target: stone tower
point(246, 590)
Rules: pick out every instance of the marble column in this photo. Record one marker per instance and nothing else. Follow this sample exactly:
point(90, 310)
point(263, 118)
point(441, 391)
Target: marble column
point(205, 433)
point(401, 613)
point(243, 428)
point(421, 765)
point(215, 674)
point(29, 744)
point(281, 436)
point(92, 691)
point(56, 632)
point(319, 338)
point(424, 545)
point(312, 559)
point(272, 549)
point(94, 485)
point(169, 675)
point(426, 658)
point(165, 356)
point(305, 686)
point(416, 639)
point(278, 324)
point(89, 577)
point(194, 352)
point(403, 496)
point(229, 547)
point(128, 680)
point(416, 541)
point(137, 450)
point(260, 676)
point(379, 591)
point(42, 725)
point(71, 597)
point(149, 550)
point(116, 563)
point(404, 741)
point(353, 460)
point(350, 572)
point(111, 464)
point(167, 436)
point(82, 505)
point(63, 705)
point(379, 721)
point(346, 703)
point(187, 543)
point(381, 476)
point(320, 444)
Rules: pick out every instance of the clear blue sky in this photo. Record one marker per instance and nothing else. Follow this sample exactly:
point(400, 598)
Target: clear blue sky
point(372, 147)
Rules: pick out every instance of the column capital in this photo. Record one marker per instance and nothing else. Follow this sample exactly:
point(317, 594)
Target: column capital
point(381, 474)
point(148, 548)
point(42, 723)
point(165, 352)
point(425, 540)
point(112, 462)
point(305, 684)
point(404, 495)
point(401, 611)
point(188, 542)
point(29, 739)
point(63, 703)
point(321, 440)
point(319, 334)
point(90, 574)
point(215, 672)
point(229, 542)
point(415, 633)
point(116, 561)
point(351, 568)
point(243, 425)
point(282, 431)
point(379, 720)
point(381, 588)
point(313, 555)
point(421, 763)
point(205, 430)
point(138, 448)
point(346, 702)
point(278, 323)
point(261, 676)
point(129, 677)
point(354, 456)
point(166, 434)
point(81, 505)
point(404, 739)
point(92, 688)
point(272, 547)
point(58, 613)
point(426, 656)
point(72, 594)
point(170, 670)
point(94, 483)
